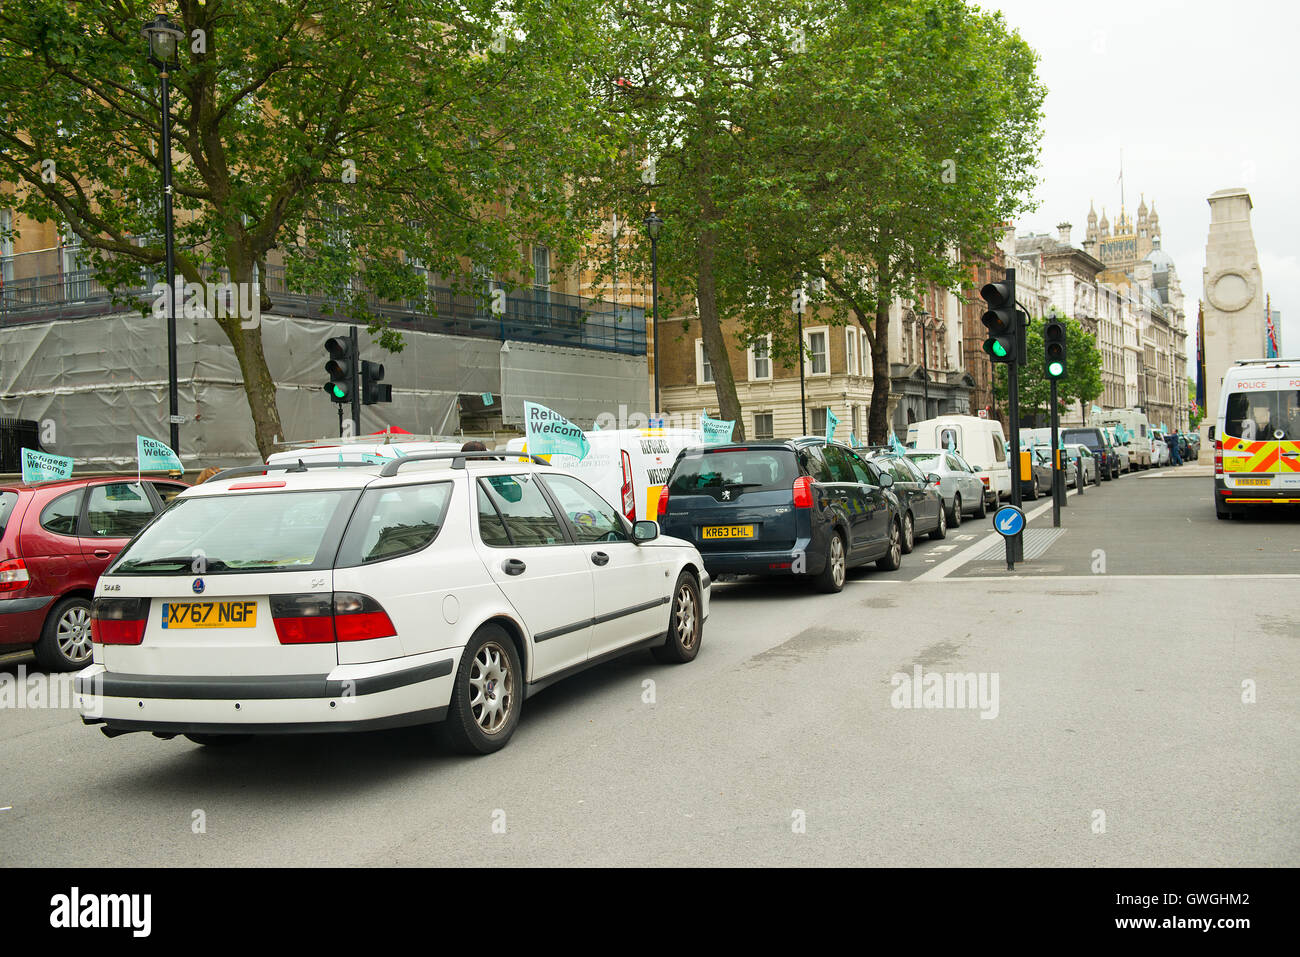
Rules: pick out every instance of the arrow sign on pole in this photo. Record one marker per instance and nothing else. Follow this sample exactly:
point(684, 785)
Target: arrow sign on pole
point(1009, 521)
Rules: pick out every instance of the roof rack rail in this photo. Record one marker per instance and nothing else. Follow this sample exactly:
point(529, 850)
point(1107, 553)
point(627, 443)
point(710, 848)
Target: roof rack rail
point(458, 459)
point(284, 466)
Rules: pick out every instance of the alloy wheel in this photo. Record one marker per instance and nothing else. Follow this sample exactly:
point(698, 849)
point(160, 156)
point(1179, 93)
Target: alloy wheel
point(684, 616)
point(492, 685)
point(836, 558)
point(73, 635)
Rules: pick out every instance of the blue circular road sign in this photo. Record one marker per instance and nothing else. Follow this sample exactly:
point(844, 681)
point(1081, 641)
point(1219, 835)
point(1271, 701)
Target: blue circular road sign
point(1009, 520)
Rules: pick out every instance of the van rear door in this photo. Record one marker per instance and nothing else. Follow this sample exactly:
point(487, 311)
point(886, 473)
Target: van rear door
point(1261, 435)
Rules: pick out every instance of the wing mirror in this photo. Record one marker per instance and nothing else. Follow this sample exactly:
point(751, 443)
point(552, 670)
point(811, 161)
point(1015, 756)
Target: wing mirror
point(645, 531)
point(934, 478)
point(1211, 433)
point(886, 480)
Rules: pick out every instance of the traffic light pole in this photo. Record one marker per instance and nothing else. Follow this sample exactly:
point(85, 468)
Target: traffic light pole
point(1058, 459)
point(356, 383)
point(1015, 543)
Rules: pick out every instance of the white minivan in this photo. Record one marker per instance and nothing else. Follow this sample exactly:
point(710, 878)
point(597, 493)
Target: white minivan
point(980, 442)
point(1137, 434)
point(627, 466)
point(1257, 437)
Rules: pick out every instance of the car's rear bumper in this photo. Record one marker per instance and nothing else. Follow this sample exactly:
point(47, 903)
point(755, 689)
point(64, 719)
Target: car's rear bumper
point(350, 698)
point(789, 561)
point(21, 619)
point(1255, 496)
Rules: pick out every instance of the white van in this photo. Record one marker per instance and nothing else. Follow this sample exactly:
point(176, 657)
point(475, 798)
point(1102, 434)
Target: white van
point(1137, 431)
point(628, 467)
point(980, 442)
point(1257, 436)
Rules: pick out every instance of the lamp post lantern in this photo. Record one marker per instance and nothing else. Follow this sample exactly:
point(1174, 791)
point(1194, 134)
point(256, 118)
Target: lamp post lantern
point(164, 39)
point(652, 226)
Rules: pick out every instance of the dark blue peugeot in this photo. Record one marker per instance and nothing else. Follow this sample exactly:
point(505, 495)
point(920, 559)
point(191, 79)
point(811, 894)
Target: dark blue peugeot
point(796, 507)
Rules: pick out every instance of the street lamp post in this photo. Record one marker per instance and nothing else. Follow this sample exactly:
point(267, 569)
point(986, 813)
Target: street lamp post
point(164, 38)
point(652, 226)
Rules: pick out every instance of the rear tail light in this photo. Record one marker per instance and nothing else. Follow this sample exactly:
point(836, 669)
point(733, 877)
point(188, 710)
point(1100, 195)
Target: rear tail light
point(360, 618)
point(663, 500)
point(303, 619)
point(341, 616)
point(629, 499)
point(985, 480)
point(118, 621)
point(1218, 458)
point(802, 488)
point(13, 575)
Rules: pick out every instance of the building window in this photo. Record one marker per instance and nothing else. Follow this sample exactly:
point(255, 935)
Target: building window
point(817, 361)
point(818, 422)
point(855, 412)
point(760, 358)
point(763, 425)
point(703, 369)
point(850, 352)
point(6, 246)
point(865, 354)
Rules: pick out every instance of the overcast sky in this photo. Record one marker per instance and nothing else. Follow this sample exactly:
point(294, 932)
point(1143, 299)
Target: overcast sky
point(1200, 96)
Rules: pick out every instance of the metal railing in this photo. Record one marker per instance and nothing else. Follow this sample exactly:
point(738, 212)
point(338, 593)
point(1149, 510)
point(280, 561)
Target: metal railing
point(37, 287)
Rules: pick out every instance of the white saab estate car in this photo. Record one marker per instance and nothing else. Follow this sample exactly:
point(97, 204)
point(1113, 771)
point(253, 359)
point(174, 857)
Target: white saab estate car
point(326, 597)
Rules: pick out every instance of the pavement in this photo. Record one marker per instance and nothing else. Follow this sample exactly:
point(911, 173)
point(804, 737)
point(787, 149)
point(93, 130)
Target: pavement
point(1147, 713)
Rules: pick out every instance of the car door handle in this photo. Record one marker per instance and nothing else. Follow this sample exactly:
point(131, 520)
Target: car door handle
point(102, 553)
point(513, 566)
point(599, 558)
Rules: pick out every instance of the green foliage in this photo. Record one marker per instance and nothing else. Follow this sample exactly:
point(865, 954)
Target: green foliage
point(1082, 379)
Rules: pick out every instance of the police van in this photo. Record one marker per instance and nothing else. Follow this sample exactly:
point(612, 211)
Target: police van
point(628, 467)
point(1257, 436)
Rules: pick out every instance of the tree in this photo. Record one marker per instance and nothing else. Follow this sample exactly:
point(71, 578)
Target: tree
point(904, 137)
point(688, 71)
point(1081, 382)
point(355, 138)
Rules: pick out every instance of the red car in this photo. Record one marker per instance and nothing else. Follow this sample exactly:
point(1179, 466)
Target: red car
point(55, 540)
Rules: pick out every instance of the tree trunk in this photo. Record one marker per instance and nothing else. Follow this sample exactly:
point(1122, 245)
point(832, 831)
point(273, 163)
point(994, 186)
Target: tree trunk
point(715, 342)
point(878, 414)
point(259, 388)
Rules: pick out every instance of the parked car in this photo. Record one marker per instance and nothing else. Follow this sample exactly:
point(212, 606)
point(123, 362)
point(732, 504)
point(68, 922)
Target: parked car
point(439, 586)
point(796, 507)
point(1121, 450)
point(959, 485)
point(918, 496)
point(1159, 450)
point(1095, 439)
point(55, 540)
point(1040, 461)
point(980, 442)
point(1091, 471)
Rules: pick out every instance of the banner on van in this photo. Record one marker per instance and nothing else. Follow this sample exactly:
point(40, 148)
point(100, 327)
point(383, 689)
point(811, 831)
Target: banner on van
point(549, 433)
point(155, 456)
point(716, 430)
point(832, 420)
point(42, 466)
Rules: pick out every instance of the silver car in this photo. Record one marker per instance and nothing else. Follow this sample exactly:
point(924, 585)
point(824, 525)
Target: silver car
point(960, 486)
point(1091, 475)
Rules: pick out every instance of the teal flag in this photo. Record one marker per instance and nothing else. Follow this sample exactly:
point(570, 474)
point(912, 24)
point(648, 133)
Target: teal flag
point(42, 466)
point(549, 433)
point(487, 398)
point(716, 430)
point(952, 446)
point(894, 444)
point(154, 456)
point(853, 439)
point(832, 420)
point(1097, 409)
point(370, 458)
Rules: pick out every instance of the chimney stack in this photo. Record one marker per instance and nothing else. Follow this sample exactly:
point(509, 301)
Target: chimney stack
point(1063, 233)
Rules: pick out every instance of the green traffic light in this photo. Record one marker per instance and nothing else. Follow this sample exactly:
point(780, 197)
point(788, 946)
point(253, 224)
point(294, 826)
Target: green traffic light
point(1055, 370)
point(999, 349)
point(338, 392)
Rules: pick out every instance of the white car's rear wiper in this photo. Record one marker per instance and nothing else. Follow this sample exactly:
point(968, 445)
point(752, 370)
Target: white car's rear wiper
point(207, 564)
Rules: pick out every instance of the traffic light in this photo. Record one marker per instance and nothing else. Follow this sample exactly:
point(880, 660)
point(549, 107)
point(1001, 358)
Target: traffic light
point(1002, 320)
point(372, 388)
point(342, 369)
point(1054, 349)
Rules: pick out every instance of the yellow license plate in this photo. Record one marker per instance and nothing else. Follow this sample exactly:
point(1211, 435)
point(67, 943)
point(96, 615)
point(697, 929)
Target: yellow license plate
point(1254, 481)
point(209, 614)
point(728, 531)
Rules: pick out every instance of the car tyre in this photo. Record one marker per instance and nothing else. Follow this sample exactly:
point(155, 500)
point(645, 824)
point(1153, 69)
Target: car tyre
point(982, 509)
point(219, 740)
point(954, 515)
point(832, 576)
point(941, 530)
point(685, 624)
point(892, 560)
point(65, 643)
point(909, 533)
point(487, 695)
